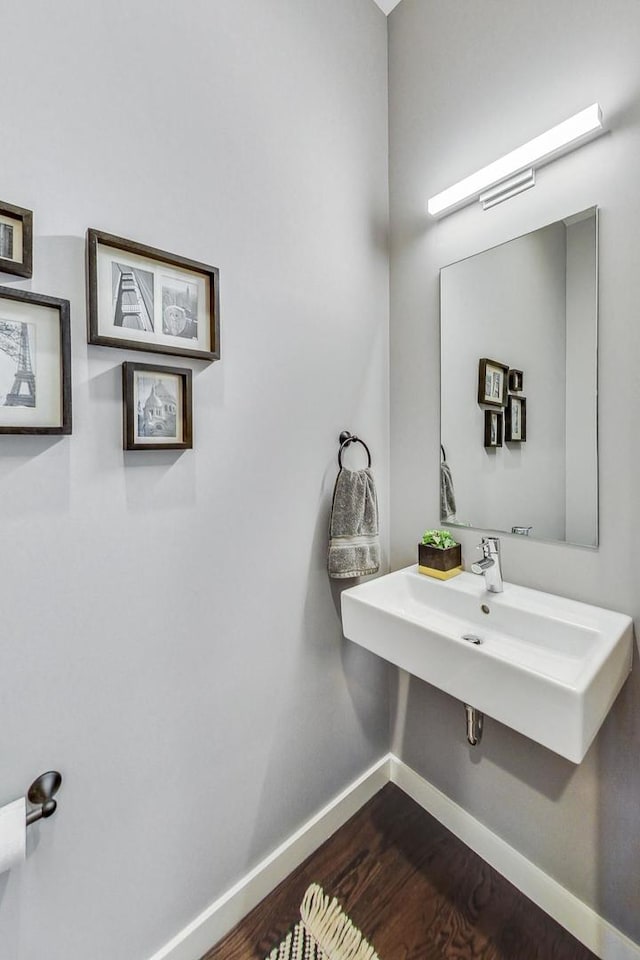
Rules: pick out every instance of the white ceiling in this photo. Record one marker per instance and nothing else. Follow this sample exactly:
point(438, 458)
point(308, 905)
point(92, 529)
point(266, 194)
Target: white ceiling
point(387, 5)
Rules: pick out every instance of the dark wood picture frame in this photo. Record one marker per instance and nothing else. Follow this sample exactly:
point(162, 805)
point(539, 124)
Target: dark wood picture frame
point(24, 217)
point(24, 371)
point(492, 368)
point(153, 341)
point(131, 434)
point(491, 440)
point(512, 434)
point(516, 380)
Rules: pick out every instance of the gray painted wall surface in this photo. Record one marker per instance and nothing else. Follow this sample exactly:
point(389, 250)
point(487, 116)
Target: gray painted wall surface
point(170, 639)
point(581, 383)
point(468, 82)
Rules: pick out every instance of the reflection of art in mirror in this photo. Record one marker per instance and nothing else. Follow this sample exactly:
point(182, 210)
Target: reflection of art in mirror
point(516, 379)
point(157, 407)
point(492, 428)
point(516, 420)
point(16, 240)
point(532, 302)
point(492, 382)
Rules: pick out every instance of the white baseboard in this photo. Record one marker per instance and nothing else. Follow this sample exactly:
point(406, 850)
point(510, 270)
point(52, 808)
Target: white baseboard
point(223, 914)
point(585, 924)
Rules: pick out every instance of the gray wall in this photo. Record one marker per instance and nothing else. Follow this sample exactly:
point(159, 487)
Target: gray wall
point(507, 304)
point(581, 383)
point(468, 82)
point(170, 639)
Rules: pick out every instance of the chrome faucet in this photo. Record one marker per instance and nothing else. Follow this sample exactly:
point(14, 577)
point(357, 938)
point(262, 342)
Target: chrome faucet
point(490, 564)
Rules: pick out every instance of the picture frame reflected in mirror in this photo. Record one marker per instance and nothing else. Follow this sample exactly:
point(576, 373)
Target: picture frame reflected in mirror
point(516, 420)
point(492, 382)
point(516, 380)
point(493, 428)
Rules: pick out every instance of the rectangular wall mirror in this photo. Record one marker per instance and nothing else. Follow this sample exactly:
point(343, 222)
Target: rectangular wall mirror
point(518, 395)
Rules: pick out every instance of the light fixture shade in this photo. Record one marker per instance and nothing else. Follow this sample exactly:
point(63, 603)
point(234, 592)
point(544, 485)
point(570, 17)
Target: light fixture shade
point(560, 139)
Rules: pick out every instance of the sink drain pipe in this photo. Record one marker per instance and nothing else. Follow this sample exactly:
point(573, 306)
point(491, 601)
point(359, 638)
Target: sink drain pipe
point(475, 720)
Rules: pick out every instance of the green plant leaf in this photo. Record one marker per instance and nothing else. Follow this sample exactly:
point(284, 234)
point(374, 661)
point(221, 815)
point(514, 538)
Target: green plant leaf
point(441, 539)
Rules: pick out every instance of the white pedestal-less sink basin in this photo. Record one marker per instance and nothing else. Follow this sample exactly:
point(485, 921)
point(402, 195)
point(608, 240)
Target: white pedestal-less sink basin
point(548, 667)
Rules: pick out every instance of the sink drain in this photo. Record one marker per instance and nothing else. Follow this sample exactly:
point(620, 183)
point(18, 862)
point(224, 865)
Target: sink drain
point(472, 638)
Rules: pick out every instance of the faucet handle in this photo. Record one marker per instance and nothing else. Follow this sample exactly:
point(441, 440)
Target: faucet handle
point(490, 546)
point(490, 564)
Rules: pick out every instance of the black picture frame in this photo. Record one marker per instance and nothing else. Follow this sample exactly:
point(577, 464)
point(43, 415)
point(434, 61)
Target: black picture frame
point(190, 322)
point(148, 421)
point(492, 382)
point(516, 380)
point(493, 428)
point(53, 374)
point(16, 233)
point(516, 420)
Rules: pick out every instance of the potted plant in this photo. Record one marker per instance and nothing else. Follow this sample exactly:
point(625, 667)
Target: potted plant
point(439, 555)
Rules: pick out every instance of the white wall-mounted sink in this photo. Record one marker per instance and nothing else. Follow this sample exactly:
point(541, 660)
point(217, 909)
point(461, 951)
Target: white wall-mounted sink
point(548, 667)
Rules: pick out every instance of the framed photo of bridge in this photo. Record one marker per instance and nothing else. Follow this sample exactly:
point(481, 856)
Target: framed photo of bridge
point(35, 363)
point(157, 405)
point(492, 382)
point(141, 298)
point(16, 240)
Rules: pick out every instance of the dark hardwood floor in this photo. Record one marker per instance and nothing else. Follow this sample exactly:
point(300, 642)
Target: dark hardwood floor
point(414, 890)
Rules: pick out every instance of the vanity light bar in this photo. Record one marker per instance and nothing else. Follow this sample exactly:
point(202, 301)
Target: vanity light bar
point(560, 139)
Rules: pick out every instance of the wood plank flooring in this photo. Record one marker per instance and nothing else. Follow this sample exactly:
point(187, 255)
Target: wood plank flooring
point(414, 890)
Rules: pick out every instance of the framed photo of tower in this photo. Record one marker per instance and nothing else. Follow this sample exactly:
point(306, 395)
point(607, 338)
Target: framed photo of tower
point(157, 407)
point(35, 363)
point(16, 240)
point(516, 420)
point(493, 428)
point(141, 298)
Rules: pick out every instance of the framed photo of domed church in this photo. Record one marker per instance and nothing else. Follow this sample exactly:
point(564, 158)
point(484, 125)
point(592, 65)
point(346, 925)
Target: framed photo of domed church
point(157, 406)
point(142, 298)
point(35, 363)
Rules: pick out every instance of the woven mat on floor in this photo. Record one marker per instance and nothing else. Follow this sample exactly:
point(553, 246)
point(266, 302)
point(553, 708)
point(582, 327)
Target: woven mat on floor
point(324, 932)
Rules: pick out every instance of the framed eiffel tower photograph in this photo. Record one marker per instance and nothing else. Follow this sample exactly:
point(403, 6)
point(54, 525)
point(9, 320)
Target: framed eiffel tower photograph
point(16, 240)
point(35, 363)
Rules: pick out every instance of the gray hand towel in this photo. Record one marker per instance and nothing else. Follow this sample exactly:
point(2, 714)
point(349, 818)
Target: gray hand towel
point(447, 495)
point(354, 547)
